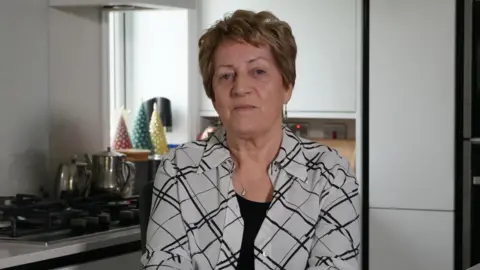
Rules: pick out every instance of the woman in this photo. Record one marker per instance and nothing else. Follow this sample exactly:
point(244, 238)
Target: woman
point(254, 195)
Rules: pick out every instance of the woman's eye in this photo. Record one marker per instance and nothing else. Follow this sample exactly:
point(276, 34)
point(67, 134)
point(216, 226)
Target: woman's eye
point(259, 71)
point(226, 76)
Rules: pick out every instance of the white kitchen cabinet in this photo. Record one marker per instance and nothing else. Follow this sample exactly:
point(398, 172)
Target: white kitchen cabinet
point(412, 74)
point(408, 240)
point(129, 261)
point(328, 37)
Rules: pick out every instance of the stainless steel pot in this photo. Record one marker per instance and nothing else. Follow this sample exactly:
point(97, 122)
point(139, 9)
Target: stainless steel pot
point(111, 173)
point(72, 179)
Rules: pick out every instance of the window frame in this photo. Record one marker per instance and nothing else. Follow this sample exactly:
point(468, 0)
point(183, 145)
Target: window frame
point(117, 83)
point(118, 58)
point(114, 57)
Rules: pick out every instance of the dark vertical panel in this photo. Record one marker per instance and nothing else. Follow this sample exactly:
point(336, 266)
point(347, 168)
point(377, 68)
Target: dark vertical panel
point(459, 37)
point(365, 132)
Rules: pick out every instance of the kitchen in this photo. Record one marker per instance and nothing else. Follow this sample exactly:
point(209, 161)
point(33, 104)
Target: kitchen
point(53, 80)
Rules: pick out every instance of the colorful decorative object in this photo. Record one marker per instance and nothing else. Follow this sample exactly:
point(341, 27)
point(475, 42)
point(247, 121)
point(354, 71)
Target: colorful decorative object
point(157, 133)
point(122, 138)
point(141, 134)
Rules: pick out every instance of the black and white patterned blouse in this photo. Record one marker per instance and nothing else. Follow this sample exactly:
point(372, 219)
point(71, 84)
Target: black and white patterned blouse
point(312, 222)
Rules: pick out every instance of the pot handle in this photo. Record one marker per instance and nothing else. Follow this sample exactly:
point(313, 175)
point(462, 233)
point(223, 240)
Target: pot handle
point(130, 174)
point(88, 183)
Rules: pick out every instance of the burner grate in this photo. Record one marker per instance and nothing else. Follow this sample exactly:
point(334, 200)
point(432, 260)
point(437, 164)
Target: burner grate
point(23, 215)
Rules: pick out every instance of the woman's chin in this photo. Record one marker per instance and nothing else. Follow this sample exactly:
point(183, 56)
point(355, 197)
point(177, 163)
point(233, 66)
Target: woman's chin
point(244, 129)
point(249, 129)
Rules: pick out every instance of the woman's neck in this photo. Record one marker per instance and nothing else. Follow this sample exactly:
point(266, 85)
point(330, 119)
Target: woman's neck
point(259, 150)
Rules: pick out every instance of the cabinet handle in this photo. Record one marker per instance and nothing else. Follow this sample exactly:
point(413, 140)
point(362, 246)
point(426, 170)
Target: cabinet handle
point(476, 180)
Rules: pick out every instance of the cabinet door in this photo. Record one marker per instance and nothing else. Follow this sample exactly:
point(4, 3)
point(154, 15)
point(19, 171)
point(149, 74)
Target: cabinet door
point(412, 95)
point(326, 35)
point(407, 240)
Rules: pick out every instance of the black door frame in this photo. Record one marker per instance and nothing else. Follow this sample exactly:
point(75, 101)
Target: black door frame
point(459, 136)
point(365, 133)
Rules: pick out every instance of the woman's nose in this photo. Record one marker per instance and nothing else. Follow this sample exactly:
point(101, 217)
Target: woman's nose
point(241, 86)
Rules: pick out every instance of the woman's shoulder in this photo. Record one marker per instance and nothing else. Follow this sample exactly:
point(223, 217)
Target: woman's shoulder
point(186, 154)
point(316, 153)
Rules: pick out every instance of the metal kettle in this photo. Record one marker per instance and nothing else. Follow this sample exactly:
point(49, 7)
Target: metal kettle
point(73, 179)
point(112, 173)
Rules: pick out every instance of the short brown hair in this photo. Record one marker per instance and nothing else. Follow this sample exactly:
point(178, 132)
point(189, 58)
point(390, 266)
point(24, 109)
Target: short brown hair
point(262, 28)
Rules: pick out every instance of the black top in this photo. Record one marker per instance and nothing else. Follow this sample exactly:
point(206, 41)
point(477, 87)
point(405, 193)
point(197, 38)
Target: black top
point(253, 214)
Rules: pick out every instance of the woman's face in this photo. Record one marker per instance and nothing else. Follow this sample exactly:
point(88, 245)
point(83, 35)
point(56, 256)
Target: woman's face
point(248, 88)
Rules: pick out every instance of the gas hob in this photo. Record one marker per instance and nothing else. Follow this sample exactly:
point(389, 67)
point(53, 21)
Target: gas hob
point(29, 219)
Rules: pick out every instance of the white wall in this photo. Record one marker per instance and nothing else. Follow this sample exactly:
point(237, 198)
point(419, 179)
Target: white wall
point(159, 65)
point(50, 91)
point(75, 81)
point(24, 140)
point(51, 88)
point(412, 72)
point(75, 63)
point(47, 112)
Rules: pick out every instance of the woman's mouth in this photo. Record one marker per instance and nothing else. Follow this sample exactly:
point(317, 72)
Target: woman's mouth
point(243, 108)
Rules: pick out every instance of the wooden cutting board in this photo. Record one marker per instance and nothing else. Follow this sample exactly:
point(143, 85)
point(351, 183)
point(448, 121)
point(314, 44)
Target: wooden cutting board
point(135, 154)
point(345, 148)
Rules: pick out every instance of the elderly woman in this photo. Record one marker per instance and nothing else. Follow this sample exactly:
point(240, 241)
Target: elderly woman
point(254, 195)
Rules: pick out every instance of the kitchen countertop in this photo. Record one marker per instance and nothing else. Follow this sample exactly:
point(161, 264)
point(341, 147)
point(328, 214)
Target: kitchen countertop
point(15, 254)
point(475, 267)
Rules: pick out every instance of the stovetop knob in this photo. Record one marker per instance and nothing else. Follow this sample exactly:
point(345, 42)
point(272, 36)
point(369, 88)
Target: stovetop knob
point(92, 221)
point(136, 212)
point(126, 217)
point(104, 218)
point(126, 214)
point(78, 222)
point(136, 215)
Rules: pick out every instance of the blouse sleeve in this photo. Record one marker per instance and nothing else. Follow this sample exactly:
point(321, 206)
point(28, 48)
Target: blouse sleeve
point(167, 243)
point(336, 243)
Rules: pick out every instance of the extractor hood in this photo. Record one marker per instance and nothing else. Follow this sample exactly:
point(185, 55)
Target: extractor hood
point(125, 4)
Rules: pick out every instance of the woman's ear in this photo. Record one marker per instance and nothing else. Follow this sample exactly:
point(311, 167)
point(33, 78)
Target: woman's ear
point(287, 94)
